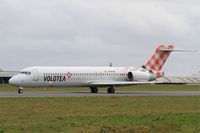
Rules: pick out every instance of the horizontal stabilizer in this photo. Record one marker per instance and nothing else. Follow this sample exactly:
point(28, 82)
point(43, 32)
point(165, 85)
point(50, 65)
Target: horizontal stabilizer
point(178, 50)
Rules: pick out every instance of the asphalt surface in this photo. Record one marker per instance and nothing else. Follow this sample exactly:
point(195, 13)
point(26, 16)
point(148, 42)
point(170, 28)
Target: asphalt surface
point(88, 94)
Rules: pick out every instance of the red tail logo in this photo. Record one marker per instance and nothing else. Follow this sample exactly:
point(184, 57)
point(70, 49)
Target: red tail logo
point(158, 59)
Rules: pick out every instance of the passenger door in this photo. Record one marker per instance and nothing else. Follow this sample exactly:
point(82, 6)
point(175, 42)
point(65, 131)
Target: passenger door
point(35, 75)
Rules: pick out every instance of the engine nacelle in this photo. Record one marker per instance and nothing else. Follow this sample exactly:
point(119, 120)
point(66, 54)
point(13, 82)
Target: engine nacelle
point(140, 76)
point(130, 76)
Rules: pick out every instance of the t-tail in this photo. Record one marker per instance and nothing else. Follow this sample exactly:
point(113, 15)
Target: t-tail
point(158, 59)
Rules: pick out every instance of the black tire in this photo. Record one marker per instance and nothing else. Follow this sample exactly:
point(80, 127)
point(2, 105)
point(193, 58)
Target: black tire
point(94, 90)
point(111, 90)
point(20, 91)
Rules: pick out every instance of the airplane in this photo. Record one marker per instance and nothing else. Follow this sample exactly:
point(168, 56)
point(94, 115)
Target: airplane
point(94, 77)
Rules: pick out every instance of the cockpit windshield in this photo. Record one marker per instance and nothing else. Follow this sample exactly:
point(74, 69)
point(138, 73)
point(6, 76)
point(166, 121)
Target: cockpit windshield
point(25, 72)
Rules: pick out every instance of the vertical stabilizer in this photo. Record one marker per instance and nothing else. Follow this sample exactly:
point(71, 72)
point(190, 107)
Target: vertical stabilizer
point(158, 59)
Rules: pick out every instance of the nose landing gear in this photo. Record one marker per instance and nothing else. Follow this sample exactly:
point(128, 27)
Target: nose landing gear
point(20, 90)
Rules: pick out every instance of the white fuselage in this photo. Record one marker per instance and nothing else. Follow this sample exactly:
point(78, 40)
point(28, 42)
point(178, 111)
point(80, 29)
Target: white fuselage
point(78, 76)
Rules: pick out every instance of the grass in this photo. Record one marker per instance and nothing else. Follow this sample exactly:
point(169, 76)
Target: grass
point(100, 115)
point(7, 87)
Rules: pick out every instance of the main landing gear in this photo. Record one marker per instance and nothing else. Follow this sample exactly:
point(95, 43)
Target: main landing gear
point(110, 90)
point(20, 90)
point(94, 89)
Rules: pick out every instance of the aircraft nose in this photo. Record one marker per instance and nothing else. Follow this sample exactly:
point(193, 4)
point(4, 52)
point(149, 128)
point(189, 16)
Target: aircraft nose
point(13, 81)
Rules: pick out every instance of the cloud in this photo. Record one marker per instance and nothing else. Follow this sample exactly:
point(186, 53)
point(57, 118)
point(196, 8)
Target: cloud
point(93, 33)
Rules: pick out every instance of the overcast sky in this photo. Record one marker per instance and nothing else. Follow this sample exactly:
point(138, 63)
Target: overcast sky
point(96, 32)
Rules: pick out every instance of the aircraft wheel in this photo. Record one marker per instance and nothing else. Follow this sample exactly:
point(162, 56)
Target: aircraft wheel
point(111, 90)
point(20, 91)
point(94, 90)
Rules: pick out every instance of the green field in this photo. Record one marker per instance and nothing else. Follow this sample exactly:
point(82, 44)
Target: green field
point(100, 115)
point(127, 88)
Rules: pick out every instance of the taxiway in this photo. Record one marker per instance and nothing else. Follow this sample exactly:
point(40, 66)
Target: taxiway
point(88, 94)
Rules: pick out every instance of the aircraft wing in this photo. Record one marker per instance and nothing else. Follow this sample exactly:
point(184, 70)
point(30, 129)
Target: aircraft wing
point(120, 83)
